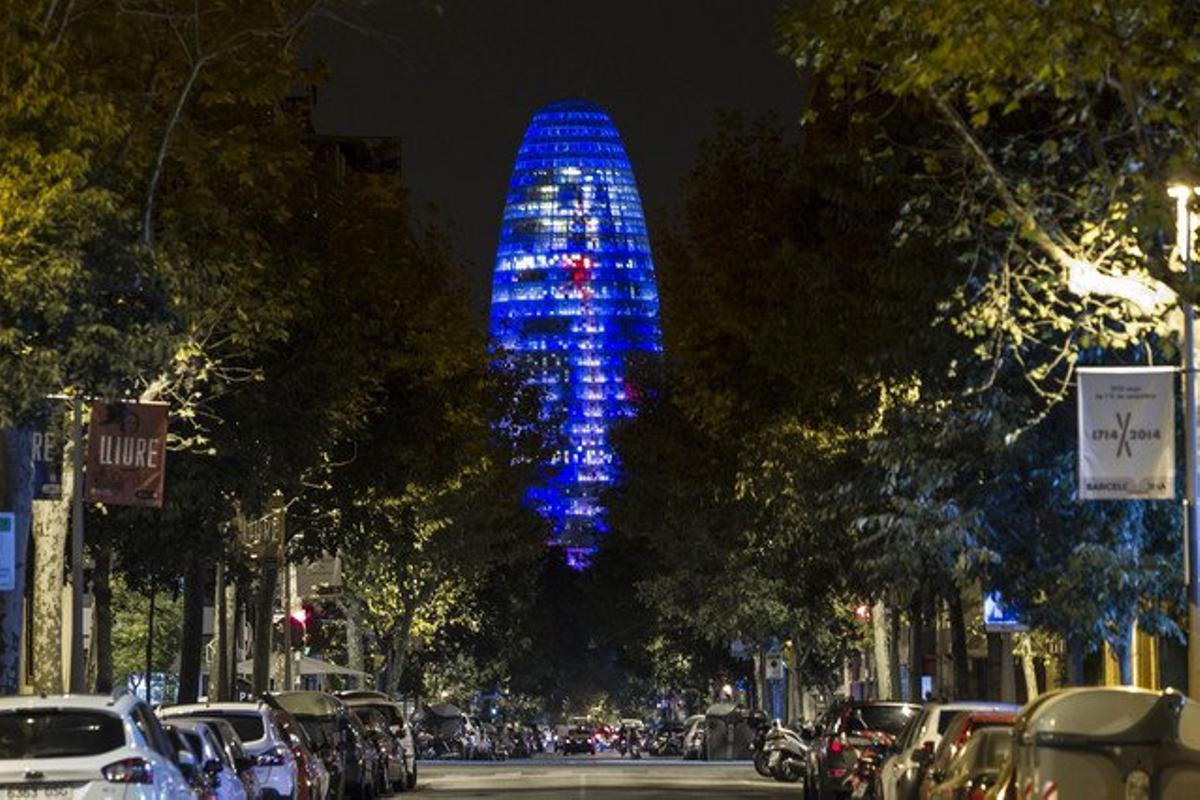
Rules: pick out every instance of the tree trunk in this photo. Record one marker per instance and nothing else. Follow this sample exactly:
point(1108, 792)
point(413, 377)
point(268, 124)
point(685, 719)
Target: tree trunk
point(352, 610)
point(1075, 655)
point(16, 490)
point(958, 645)
point(760, 680)
point(1029, 668)
point(1124, 653)
point(218, 669)
point(884, 668)
point(102, 616)
point(916, 657)
point(191, 645)
point(51, 526)
point(150, 647)
point(264, 624)
point(894, 650)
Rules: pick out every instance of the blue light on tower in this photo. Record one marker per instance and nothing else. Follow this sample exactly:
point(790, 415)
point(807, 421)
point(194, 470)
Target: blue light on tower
point(573, 297)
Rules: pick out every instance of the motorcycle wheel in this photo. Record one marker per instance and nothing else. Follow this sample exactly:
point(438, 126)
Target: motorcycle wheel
point(760, 764)
point(787, 772)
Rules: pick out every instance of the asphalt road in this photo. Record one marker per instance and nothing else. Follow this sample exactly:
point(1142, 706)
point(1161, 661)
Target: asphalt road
point(601, 778)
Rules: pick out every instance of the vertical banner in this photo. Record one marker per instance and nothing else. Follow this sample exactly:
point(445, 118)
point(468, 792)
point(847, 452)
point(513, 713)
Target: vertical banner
point(127, 454)
point(1126, 433)
point(8, 551)
point(46, 451)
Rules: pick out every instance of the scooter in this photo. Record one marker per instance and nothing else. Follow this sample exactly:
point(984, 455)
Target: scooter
point(786, 753)
point(860, 782)
point(759, 746)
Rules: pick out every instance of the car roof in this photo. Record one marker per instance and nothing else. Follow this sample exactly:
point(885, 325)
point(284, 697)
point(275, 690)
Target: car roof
point(194, 709)
point(974, 705)
point(99, 702)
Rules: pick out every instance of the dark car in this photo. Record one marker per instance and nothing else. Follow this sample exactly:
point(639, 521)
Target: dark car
point(393, 767)
point(578, 740)
point(846, 730)
point(340, 741)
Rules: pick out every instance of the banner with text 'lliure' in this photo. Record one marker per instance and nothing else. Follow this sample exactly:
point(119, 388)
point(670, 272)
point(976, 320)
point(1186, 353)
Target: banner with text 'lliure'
point(1126, 433)
point(127, 454)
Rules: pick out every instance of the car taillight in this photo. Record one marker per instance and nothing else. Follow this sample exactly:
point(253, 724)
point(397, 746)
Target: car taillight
point(272, 758)
point(835, 746)
point(129, 770)
point(978, 793)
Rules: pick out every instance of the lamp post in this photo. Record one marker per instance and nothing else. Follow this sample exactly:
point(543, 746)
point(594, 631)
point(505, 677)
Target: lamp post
point(1183, 241)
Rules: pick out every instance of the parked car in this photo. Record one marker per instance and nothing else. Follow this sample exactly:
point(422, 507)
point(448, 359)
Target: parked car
point(231, 744)
point(975, 767)
point(87, 748)
point(392, 759)
point(188, 757)
point(901, 773)
point(314, 773)
point(350, 757)
point(843, 732)
point(213, 761)
point(260, 728)
point(398, 724)
point(578, 740)
point(957, 736)
point(1102, 742)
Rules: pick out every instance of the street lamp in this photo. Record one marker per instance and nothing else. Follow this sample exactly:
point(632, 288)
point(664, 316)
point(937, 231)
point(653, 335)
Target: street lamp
point(1183, 193)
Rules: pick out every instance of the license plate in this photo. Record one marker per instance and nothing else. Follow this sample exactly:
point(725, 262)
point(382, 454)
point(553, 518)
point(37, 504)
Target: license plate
point(36, 791)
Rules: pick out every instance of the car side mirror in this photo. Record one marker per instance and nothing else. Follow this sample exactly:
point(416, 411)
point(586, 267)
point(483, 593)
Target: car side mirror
point(212, 767)
point(923, 755)
point(243, 763)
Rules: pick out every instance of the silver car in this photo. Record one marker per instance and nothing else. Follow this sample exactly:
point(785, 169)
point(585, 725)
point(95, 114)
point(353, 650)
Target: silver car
point(222, 774)
point(397, 723)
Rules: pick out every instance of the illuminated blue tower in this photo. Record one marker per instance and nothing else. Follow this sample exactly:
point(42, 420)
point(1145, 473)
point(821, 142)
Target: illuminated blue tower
point(573, 297)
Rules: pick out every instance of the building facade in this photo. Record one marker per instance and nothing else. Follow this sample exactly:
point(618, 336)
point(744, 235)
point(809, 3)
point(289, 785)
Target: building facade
point(574, 300)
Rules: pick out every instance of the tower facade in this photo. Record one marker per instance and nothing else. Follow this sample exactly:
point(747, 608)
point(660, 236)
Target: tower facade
point(573, 298)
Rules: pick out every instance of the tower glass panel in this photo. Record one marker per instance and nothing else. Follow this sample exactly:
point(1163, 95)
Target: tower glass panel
point(573, 297)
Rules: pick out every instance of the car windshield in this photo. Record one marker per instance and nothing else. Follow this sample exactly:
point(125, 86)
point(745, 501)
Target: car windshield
point(889, 719)
point(389, 712)
point(992, 747)
point(247, 726)
point(58, 733)
point(323, 731)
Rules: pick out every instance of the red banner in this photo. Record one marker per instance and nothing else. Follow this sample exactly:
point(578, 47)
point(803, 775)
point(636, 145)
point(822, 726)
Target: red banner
point(127, 454)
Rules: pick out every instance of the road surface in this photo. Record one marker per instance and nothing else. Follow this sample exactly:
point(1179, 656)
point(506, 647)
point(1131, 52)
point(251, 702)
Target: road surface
point(598, 779)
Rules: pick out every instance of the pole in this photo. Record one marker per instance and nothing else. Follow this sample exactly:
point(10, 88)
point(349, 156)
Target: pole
point(287, 626)
point(78, 675)
point(218, 680)
point(1192, 480)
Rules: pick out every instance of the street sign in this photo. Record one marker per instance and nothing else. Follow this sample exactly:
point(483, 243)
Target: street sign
point(1126, 433)
point(1001, 618)
point(774, 666)
point(8, 551)
point(46, 452)
point(127, 454)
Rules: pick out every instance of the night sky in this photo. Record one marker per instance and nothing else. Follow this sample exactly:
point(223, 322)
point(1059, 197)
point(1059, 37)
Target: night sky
point(459, 88)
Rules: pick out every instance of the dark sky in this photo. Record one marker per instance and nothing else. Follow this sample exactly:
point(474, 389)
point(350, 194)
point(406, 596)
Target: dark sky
point(459, 88)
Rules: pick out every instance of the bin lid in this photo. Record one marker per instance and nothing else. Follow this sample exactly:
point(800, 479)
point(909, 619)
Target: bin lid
point(1094, 711)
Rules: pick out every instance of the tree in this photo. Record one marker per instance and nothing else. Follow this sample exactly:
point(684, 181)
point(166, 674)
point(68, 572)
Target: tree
point(1059, 127)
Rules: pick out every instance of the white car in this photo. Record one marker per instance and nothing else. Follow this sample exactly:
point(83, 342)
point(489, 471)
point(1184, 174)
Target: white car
point(397, 722)
point(84, 747)
point(222, 774)
point(275, 765)
point(900, 775)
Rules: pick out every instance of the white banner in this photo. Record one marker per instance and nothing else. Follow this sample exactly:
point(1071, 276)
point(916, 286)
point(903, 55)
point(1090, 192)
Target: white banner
point(1126, 433)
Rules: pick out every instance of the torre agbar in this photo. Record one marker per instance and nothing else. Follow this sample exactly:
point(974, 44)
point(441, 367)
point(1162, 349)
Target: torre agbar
point(573, 298)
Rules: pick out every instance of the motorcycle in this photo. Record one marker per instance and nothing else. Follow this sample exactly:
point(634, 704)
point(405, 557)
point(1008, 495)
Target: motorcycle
point(759, 746)
point(786, 753)
point(860, 782)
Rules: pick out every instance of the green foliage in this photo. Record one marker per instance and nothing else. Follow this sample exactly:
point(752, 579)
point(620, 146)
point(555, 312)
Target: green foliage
point(131, 618)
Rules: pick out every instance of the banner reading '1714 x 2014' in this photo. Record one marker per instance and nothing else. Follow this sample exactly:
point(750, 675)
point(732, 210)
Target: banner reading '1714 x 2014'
point(127, 454)
point(1126, 433)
